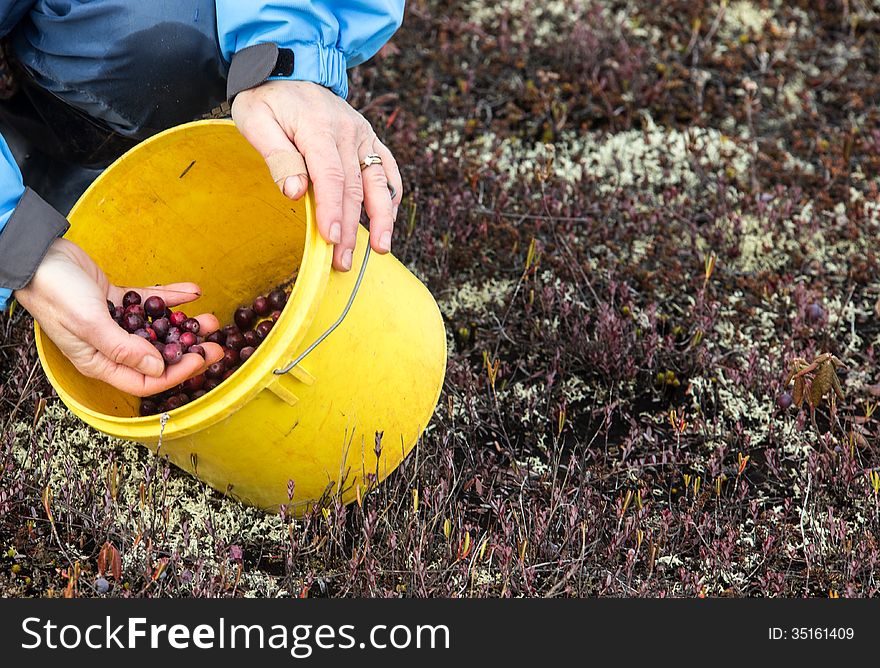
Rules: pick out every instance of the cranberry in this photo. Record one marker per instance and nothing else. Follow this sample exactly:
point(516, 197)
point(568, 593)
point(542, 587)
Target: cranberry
point(143, 333)
point(175, 401)
point(191, 325)
point(245, 353)
point(173, 352)
point(276, 315)
point(215, 370)
point(198, 394)
point(245, 317)
point(251, 339)
point(190, 385)
point(230, 357)
point(136, 309)
point(111, 307)
point(131, 322)
point(198, 350)
point(231, 329)
point(264, 328)
point(211, 383)
point(148, 407)
point(235, 340)
point(218, 337)
point(277, 299)
point(188, 340)
point(130, 297)
point(262, 307)
point(228, 373)
point(784, 401)
point(159, 346)
point(173, 335)
point(154, 306)
point(815, 311)
point(118, 312)
point(178, 318)
point(161, 327)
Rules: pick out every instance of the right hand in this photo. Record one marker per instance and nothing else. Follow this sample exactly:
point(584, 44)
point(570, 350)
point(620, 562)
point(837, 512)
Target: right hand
point(68, 298)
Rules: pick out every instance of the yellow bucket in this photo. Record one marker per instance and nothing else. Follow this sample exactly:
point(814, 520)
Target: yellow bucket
point(196, 203)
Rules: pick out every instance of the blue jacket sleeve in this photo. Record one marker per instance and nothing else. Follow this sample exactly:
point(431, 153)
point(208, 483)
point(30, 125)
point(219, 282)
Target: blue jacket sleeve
point(326, 37)
point(11, 190)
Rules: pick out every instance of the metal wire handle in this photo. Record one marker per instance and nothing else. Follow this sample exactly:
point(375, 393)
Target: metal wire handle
point(357, 285)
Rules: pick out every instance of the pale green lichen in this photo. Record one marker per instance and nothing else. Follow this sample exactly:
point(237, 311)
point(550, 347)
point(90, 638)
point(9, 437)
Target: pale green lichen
point(76, 462)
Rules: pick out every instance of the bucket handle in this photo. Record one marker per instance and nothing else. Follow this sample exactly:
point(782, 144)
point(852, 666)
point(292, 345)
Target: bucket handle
point(357, 285)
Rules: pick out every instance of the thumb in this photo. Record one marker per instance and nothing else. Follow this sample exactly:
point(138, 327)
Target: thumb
point(123, 348)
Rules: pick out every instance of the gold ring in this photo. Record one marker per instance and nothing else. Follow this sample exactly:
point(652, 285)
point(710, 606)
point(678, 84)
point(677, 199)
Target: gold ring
point(372, 159)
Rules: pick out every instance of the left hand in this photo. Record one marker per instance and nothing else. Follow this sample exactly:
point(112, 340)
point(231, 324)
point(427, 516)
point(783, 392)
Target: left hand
point(300, 117)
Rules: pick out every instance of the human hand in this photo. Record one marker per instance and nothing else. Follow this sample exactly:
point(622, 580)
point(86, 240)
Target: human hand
point(305, 120)
point(68, 297)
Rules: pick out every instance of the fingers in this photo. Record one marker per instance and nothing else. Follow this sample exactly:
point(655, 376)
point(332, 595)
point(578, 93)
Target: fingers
point(130, 381)
point(329, 179)
point(378, 204)
point(286, 165)
point(392, 173)
point(353, 197)
point(173, 294)
point(113, 343)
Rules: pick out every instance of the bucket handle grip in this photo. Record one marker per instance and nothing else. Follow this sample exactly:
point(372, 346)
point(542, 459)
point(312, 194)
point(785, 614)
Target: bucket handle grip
point(304, 353)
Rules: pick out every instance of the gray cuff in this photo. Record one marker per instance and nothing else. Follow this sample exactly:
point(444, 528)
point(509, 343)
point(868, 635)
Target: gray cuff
point(254, 65)
point(29, 232)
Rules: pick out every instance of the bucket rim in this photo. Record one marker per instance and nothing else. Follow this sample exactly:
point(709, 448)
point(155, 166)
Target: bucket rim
point(254, 375)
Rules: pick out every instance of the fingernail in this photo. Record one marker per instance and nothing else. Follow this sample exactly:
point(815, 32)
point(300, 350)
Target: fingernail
point(150, 366)
point(385, 241)
point(346, 259)
point(294, 186)
point(335, 233)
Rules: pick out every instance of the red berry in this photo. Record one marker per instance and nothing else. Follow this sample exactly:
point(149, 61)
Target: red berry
point(218, 337)
point(148, 407)
point(262, 307)
point(118, 312)
point(211, 383)
point(173, 353)
point(244, 317)
point(154, 306)
point(111, 307)
point(245, 353)
point(215, 370)
point(143, 333)
point(130, 297)
point(175, 401)
point(188, 340)
point(198, 350)
point(191, 325)
point(137, 309)
point(264, 328)
point(784, 401)
point(277, 299)
point(198, 394)
point(228, 373)
point(815, 311)
point(178, 318)
point(190, 385)
point(173, 335)
point(251, 339)
point(159, 346)
point(230, 357)
point(235, 340)
point(276, 315)
point(131, 322)
point(161, 327)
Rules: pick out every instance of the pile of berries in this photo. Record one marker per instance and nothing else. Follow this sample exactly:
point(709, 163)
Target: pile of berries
point(174, 334)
